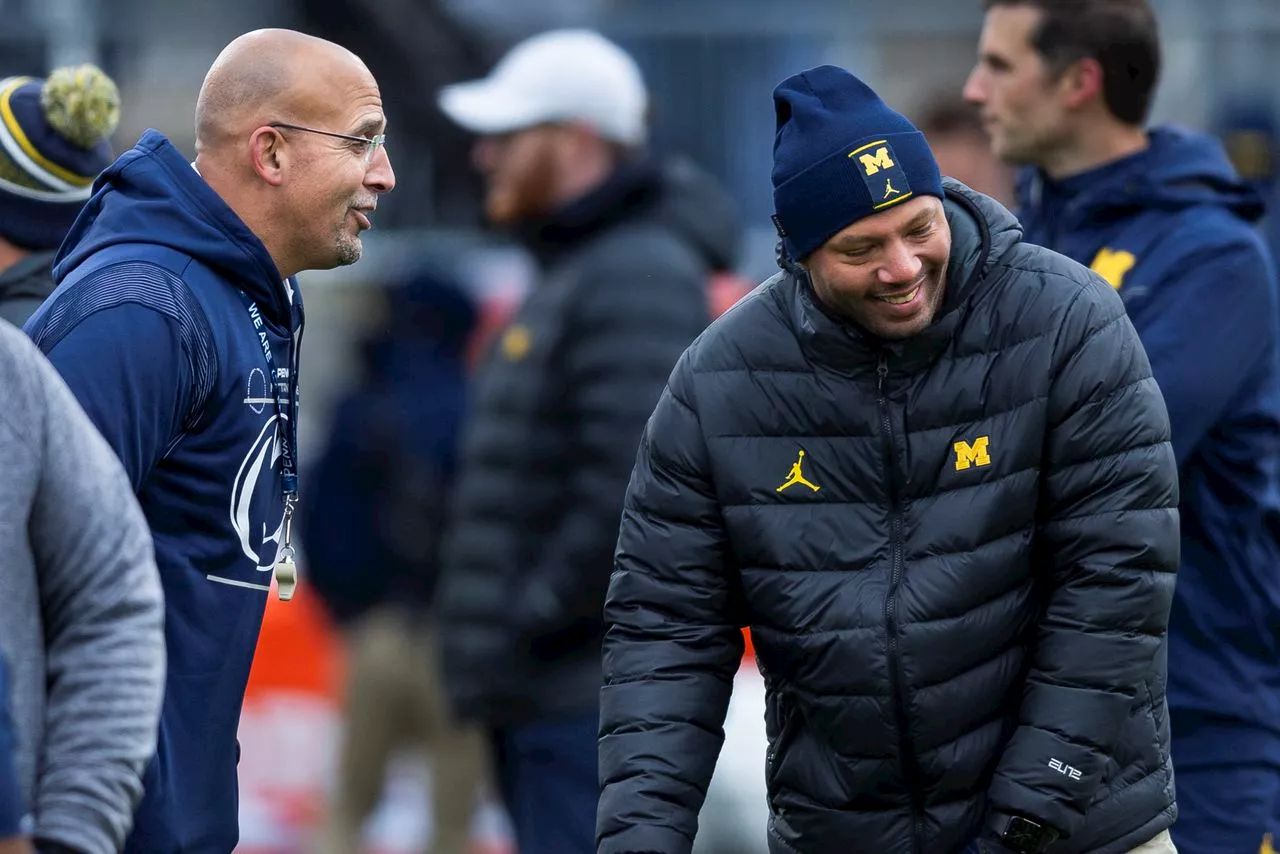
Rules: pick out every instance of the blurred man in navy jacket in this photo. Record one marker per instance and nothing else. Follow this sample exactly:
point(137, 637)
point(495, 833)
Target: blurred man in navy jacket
point(372, 539)
point(1065, 87)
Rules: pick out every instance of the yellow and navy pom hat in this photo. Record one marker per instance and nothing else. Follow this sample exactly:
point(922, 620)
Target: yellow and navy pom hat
point(53, 143)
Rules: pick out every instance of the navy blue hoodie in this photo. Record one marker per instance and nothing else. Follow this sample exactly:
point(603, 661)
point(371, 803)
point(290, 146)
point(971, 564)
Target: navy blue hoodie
point(11, 809)
point(149, 328)
point(1173, 229)
point(378, 493)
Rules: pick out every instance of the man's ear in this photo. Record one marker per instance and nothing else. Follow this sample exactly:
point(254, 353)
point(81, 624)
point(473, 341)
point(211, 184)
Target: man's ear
point(267, 154)
point(1081, 82)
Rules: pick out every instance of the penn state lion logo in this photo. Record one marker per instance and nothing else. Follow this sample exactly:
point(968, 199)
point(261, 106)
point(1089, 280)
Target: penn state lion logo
point(255, 488)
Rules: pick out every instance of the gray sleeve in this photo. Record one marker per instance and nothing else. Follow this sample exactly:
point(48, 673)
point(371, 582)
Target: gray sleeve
point(102, 605)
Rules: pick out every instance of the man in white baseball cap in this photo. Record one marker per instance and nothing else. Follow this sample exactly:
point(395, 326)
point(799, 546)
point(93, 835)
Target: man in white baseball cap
point(553, 117)
point(627, 246)
point(563, 75)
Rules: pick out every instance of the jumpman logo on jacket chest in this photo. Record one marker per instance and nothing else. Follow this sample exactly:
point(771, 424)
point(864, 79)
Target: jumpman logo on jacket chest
point(796, 477)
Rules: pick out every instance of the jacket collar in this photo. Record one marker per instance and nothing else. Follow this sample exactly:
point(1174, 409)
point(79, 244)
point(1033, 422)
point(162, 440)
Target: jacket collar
point(632, 187)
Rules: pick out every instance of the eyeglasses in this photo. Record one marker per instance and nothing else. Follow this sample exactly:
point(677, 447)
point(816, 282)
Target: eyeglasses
point(368, 145)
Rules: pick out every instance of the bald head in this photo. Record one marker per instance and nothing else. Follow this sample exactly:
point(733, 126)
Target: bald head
point(289, 134)
point(268, 76)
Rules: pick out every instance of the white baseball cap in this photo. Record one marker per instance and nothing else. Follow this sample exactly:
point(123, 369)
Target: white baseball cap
point(557, 76)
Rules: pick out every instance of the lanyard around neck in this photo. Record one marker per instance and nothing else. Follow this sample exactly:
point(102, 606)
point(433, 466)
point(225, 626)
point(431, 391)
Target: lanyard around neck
point(284, 398)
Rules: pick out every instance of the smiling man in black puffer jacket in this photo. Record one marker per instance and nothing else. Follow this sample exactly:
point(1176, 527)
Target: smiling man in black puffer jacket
point(929, 466)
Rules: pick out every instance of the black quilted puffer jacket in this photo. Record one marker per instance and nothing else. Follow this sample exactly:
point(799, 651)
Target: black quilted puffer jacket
point(956, 554)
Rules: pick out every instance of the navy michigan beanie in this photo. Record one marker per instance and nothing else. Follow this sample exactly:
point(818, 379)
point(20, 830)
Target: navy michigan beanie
point(840, 154)
point(53, 143)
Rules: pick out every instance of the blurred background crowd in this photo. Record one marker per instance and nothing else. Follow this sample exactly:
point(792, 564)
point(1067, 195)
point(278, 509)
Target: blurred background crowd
point(436, 283)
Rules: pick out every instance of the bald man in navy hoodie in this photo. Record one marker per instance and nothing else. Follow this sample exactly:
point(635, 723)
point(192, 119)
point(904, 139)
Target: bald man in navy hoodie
point(176, 323)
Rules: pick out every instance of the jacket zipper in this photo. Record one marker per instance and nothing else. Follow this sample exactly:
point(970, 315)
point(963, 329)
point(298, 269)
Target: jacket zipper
point(771, 755)
point(910, 765)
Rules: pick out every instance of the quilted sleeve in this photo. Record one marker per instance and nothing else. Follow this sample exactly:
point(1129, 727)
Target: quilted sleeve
point(1109, 547)
point(673, 642)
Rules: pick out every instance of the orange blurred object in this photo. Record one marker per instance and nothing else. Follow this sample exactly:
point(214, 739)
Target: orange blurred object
point(297, 649)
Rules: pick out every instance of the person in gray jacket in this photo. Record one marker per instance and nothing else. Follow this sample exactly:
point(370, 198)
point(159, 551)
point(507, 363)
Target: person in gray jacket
point(80, 612)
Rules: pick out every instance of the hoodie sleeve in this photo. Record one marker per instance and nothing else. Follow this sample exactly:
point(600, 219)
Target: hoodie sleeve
point(1209, 327)
point(127, 345)
point(11, 809)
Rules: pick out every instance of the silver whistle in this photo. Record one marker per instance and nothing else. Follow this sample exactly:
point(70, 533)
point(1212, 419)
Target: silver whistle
point(286, 571)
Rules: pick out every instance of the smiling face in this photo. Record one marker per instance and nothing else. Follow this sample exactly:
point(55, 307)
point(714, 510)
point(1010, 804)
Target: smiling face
point(887, 272)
